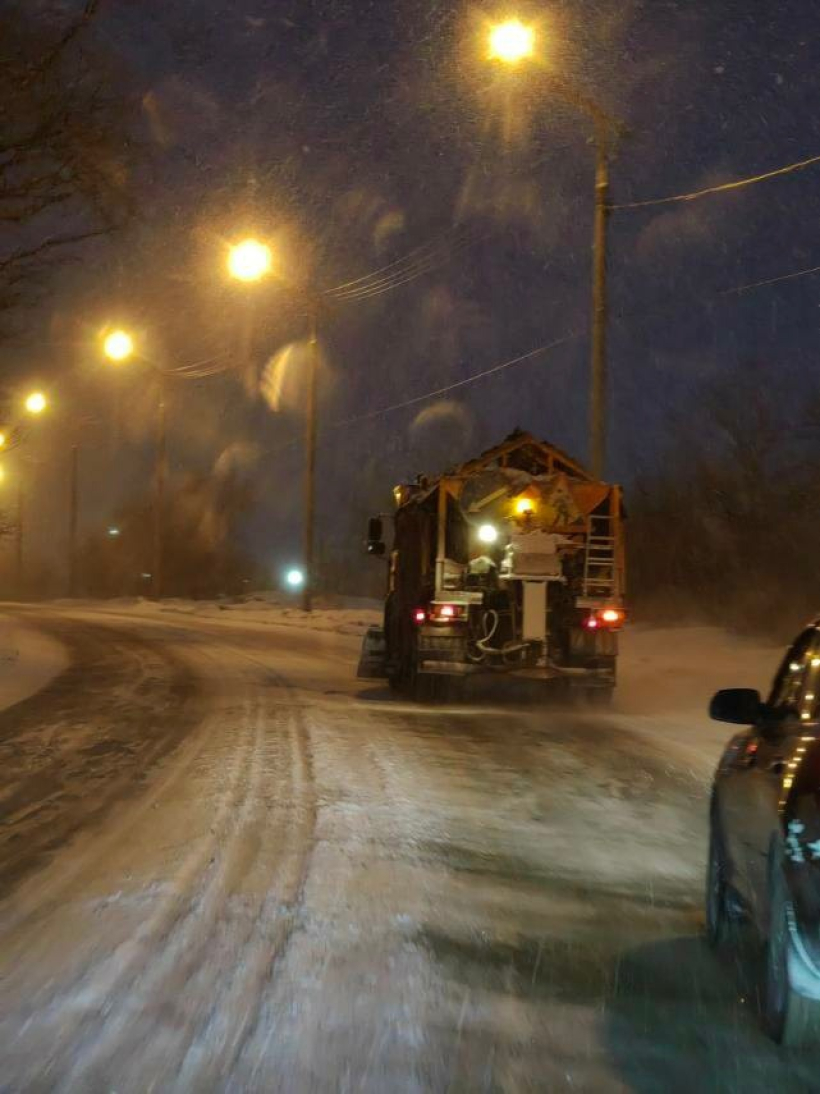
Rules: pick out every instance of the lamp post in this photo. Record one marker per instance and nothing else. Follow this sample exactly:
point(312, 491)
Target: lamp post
point(35, 404)
point(119, 347)
point(252, 261)
point(513, 43)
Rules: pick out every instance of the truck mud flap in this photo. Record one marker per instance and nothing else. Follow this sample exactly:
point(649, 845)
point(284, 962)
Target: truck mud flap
point(373, 660)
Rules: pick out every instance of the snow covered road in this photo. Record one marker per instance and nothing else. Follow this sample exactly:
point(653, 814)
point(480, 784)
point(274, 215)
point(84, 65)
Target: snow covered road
point(231, 866)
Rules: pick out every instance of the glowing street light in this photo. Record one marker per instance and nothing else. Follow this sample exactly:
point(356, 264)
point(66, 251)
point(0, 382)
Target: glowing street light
point(36, 402)
point(118, 345)
point(113, 532)
point(249, 260)
point(511, 42)
point(488, 533)
point(295, 578)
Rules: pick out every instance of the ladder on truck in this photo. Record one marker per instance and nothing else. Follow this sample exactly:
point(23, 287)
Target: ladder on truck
point(600, 561)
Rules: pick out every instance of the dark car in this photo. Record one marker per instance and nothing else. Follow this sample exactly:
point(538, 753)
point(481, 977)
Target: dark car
point(764, 849)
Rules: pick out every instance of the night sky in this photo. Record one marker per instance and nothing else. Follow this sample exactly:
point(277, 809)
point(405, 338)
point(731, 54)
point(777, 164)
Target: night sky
point(351, 133)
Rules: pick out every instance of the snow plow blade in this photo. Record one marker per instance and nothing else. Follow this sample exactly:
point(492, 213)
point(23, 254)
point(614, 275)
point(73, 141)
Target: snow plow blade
point(373, 661)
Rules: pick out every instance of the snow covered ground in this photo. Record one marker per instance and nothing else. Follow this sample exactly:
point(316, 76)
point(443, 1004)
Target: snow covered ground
point(338, 615)
point(323, 888)
point(667, 677)
point(29, 660)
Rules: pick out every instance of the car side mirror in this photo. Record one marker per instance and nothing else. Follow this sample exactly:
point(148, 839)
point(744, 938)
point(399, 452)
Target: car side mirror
point(740, 706)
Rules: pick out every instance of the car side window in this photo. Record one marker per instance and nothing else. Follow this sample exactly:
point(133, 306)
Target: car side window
point(797, 683)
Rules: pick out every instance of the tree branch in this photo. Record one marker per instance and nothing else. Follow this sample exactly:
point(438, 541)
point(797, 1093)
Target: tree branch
point(50, 244)
point(70, 33)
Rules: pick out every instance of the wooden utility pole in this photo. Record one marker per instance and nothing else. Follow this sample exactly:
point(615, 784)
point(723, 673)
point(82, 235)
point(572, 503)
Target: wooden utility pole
point(598, 362)
point(73, 504)
point(160, 469)
point(20, 518)
point(310, 460)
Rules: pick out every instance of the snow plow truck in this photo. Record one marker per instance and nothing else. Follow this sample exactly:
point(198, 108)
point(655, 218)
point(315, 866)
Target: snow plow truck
point(511, 563)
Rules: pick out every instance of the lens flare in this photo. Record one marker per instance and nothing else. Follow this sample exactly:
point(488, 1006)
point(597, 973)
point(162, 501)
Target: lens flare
point(36, 403)
point(118, 345)
point(511, 42)
point(249, 260)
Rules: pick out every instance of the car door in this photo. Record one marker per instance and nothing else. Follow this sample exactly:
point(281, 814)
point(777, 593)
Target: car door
point(769, 760)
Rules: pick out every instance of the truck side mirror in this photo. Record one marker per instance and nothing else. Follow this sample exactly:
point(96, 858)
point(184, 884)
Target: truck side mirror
point(375, 533)
point(375, 530)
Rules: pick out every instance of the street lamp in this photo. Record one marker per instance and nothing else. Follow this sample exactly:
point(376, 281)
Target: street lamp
point(511, 43)
point(118, 346)
point(251, 260)
point(36, 403)
point(295, 578)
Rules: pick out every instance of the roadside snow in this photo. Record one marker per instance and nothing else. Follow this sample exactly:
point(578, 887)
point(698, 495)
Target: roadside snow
point(29, 660)
point(348, 616)
point(667, 677)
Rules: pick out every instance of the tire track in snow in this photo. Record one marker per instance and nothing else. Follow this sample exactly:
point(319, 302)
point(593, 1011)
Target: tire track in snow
point(186, 946)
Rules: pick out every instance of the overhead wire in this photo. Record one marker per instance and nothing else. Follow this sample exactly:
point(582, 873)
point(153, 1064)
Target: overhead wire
point(737, 184)
point(411, 256)
point(417, 263)
point(739, 289)
point(457, 384)
point(382, 411)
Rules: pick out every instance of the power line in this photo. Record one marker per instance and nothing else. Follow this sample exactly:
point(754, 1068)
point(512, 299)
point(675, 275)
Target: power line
point(416, 263)
point(410, 256)
point(459, 383)
point(199, 370)
point(770, 281)
point(722, 188)
point(410, 275)
point(439, 391)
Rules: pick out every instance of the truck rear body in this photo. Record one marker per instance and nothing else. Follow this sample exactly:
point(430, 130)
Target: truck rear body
point(511, 563)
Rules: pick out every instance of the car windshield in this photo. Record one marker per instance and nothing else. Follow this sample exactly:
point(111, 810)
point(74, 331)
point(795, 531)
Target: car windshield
point(409, 421)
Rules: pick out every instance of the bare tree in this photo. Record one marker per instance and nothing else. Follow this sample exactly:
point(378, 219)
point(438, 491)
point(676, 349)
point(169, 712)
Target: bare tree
point(64, 144)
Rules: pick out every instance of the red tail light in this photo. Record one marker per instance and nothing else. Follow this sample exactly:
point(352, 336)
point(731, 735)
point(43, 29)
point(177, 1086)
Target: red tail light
point(419, 615)
point(610, 619)
point(447, 613)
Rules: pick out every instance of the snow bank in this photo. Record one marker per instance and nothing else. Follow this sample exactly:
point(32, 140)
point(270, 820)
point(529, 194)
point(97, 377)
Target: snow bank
point(29, 660)
point(667, 677)
point(336, 615)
